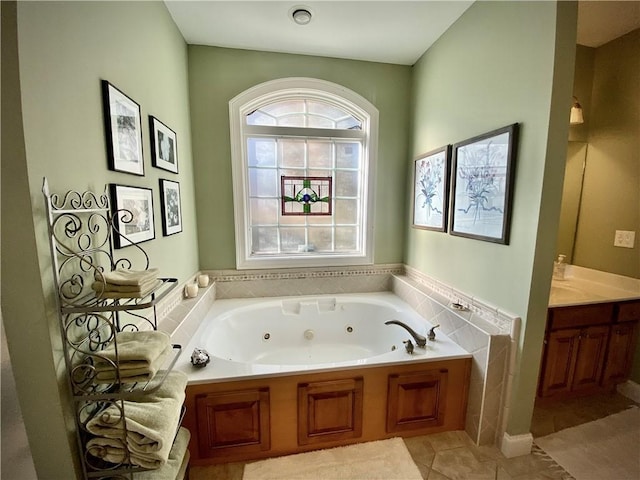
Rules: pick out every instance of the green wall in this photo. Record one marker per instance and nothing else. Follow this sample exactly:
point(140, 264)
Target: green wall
point(501, 63)
point(216, 75)
point(64, 50)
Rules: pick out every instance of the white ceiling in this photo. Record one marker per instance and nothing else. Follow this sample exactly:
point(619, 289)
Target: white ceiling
point(391, 31)
point(379, 31)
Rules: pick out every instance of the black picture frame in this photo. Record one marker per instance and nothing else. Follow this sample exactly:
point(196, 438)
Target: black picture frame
point(164, 146)
point(170, 203)
point(431, 172)
point(123, 130)
point(132, 211)
point(482, 185)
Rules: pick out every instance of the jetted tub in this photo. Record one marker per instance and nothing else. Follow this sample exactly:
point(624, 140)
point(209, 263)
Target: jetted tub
point(247, 338)
point(292, 374)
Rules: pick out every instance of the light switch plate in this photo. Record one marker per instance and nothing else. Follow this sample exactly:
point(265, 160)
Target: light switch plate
point(624, 238)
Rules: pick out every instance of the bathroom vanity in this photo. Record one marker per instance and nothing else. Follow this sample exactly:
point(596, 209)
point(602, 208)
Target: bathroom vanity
point(591, 333)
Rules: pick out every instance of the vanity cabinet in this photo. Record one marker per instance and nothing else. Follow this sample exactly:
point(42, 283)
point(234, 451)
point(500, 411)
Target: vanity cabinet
point(588, 348)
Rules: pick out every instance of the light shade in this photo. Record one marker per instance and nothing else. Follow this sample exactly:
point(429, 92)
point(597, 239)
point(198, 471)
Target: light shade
point(576, 117)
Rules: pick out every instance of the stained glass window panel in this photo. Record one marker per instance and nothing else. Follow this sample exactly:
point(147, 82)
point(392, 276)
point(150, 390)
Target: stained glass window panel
point(312, 194)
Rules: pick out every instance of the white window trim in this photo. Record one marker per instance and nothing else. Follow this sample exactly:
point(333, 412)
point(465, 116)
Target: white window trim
point(270, 91)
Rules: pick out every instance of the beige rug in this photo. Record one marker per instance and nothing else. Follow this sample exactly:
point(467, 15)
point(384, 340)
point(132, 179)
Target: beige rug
point(383, 460)
point(608, 448)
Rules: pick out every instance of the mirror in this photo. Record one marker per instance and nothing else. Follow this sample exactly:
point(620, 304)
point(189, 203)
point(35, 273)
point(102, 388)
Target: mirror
point(571, 198)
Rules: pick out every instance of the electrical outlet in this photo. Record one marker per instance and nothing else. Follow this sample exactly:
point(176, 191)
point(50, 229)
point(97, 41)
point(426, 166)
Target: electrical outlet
point(624, 238)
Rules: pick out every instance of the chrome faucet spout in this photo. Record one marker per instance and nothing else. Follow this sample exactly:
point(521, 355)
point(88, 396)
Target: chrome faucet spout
point(420, 340)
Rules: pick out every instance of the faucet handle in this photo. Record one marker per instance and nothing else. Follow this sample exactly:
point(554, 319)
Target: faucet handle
point(432, 335)
point(408, 345)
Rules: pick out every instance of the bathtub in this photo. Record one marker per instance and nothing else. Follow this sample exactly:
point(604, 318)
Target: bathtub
point(293, 374)
point(250, 338)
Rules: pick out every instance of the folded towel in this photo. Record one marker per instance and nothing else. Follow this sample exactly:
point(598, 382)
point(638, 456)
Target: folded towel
point(150, 422)
point(143, 346)
point(175, 463)
point(130, 371)
point(120, 276)
point(139, 293)
point(100, 287)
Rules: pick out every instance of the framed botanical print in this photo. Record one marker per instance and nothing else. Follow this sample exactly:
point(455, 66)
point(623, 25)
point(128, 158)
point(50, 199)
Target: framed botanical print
point(123, 130)
point(132, 214)
point(431, 189)
point(483, 174)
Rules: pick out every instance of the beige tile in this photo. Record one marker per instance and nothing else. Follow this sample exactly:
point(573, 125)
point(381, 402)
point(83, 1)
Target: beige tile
point(447, 440)
point(461, 464)
point(225, 471)
point(501, 474)
point(421, 450)
point(433, 475)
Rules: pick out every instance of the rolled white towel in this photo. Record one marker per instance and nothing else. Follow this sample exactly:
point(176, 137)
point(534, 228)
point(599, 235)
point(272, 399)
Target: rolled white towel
point(150, 422)
point(173, 466)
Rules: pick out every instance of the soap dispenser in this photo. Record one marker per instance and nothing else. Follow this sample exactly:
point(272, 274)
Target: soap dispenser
point(559, 267)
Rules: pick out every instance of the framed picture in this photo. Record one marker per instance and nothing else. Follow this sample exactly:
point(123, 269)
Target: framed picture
point(164, 147)
point(123, 130)
point(431, 189)
point(483, 175)
point(132, 214)
point(171, 210)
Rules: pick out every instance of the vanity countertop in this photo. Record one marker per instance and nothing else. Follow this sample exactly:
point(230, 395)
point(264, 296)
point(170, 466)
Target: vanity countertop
point(583, 286)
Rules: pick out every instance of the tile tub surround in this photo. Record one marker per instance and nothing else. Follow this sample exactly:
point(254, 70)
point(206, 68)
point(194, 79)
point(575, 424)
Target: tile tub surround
point(486, 332)
point(583, 286)
point(304, 281)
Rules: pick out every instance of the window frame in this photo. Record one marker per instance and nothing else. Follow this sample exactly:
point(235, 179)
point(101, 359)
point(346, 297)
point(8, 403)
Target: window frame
point(291, 88)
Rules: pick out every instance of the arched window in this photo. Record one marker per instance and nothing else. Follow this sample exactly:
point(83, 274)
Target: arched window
point(303, 153)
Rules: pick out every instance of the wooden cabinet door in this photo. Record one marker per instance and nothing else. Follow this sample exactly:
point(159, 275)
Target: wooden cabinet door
point(330, 410)
point(622, 343)
point(233, 422)
point(416, 400)
point(590, 357)
point(559, 361)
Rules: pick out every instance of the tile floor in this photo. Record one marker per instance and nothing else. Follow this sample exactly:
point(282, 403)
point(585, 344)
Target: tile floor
point(453, 456)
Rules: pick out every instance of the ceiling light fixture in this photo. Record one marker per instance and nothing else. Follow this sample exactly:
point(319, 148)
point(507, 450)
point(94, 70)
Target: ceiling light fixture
point(576, 117)
point(301, 15)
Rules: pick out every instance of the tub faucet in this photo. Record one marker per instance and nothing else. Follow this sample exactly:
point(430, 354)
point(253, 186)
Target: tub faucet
point(420, 340)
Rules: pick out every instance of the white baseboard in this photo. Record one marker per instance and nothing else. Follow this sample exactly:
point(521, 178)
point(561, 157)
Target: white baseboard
point(630, 390)
point(516, 445)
